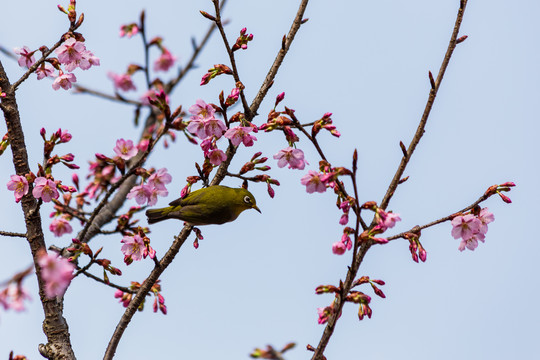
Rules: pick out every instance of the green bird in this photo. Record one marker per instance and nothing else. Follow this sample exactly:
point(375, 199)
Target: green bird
point(212, 205)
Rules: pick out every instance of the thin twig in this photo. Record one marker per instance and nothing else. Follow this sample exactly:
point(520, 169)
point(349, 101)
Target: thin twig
point(358, 257)
point(170, 85)
point(236, 75)
point(431, 99)
point(12, 234)
point(98, 279)
point(79, 89)
point(441, 220)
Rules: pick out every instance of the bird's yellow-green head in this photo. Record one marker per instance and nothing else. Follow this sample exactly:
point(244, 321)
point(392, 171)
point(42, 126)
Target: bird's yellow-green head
point(212, 205)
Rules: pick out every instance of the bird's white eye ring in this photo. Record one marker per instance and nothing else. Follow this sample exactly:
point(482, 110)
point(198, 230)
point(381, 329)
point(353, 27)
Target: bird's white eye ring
point(247, 199)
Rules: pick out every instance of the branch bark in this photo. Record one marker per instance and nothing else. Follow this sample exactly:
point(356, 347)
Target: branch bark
point(54, 326)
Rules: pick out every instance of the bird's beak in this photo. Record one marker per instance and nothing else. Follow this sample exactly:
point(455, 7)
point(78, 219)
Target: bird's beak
point(256, 208)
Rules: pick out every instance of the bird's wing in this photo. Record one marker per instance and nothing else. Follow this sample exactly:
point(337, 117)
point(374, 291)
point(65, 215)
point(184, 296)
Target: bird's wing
point(191, 199)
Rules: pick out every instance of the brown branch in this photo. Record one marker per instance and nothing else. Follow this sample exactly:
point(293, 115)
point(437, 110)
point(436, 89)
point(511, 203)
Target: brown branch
point(98, 279)
point(218, 177)
point(12, 234)
point(236, 75)
point(143, 290)
point(170, 85)
point(54, 325)
point(431, 99)
point(79, 89)
point(364, 247)
point(441, 220)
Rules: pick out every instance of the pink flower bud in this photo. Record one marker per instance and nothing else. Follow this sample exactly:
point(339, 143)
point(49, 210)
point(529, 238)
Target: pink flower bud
point(505, 198)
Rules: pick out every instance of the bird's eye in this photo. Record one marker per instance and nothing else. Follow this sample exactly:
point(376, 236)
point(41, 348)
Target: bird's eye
point(247, 199)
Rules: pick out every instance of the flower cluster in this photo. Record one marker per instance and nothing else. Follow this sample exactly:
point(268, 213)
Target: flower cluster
point(148, 193)
point(206, 127)
point(159, 300)
point(471, 228)
point(353, 296)
point(136, 247)
point(57, 273)
point(72, 53)
point(242, 41)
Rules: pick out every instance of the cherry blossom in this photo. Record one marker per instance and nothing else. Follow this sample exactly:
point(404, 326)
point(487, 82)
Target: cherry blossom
point(125, 149)
point(292, 157)
point(45, 189)
point(64, 81)
point(240, 134)
point(60, 227)
point(313, 183)
point(57, 273)
point(19, 185)
point(26, 56)
point(165, 61)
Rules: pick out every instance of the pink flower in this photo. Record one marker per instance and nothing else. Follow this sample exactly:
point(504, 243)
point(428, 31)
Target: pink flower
point(165, 61)
point(60, 227)
point(196, 127)
point(214, 127)
point(125, 149)
point(471, 243)
point(122, 81)
point(151, 94)
point(129, 30)
point(292, 157)
point(85, 62)
point(386, 220)
point(485, 218)
point(141, 193)
point(338, 248)
point(344, 219)
point(207, 145)
point(70, 51)
point(313, 182)
point(19, 185)
point(159, 179)
point(45, 70)
point(216, 157)
point(202, 110)
point(64, 135)
point(465, 226)
point(125, 298)
point(26, 56)
point(133, 247)
point(13, 297)
point(324, 314)
point(57, 273)
point(64, 81)
point(154, 193)
point(240, 134)
point(45, 189)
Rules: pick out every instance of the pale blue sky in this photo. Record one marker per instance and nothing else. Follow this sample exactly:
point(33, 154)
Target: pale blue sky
point(252, 282)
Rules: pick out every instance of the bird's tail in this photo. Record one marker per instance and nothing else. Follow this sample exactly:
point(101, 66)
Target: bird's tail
point(155, 215)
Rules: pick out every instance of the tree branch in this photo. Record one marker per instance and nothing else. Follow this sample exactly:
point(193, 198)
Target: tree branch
point(364, 247)
point(54, 325)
